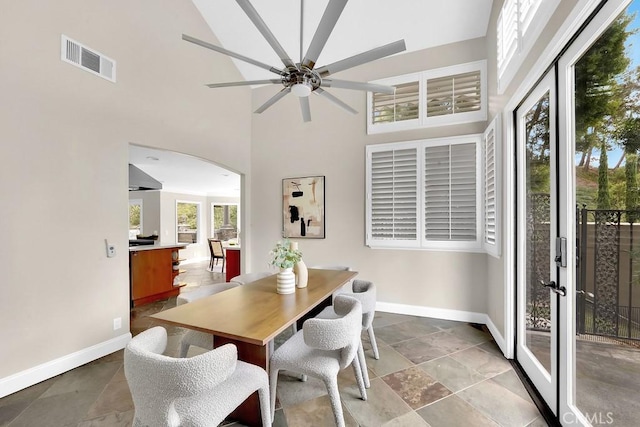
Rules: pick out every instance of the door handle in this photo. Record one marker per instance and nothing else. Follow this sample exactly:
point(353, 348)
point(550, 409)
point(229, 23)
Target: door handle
point(560, 290)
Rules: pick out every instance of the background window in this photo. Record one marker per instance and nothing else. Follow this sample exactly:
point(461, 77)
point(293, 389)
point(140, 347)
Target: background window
point(135, 218)
point(187, 220)
point(225, 221)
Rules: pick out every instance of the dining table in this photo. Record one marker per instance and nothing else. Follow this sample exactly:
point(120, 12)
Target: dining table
point(250, 316)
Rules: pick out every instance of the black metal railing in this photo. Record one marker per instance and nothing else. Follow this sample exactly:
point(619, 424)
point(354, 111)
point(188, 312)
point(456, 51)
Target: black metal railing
point(608, 273)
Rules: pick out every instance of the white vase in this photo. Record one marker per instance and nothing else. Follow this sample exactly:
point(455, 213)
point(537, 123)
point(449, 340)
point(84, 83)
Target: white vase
point(285, 281)
point(302, 274)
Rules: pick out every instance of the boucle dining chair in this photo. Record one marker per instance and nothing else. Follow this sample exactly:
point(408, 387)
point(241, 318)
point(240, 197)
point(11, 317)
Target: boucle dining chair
point(243, 279)
point(197, 391)
point(365, 292)
point(197, 338)
point(322, 349)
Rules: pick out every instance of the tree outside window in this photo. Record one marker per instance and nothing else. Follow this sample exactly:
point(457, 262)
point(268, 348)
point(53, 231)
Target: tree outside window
point(135, 218)
point(187, 214)
point(225, 221)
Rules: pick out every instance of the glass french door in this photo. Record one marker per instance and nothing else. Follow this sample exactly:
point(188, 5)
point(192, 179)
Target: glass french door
point(537, 232)
point(576, 268)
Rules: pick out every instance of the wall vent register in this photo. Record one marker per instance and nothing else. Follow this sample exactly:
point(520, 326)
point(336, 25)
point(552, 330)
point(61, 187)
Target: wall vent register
point(88, 59)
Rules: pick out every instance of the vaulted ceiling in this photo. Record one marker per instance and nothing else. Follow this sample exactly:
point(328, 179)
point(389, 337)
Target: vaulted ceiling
point(363, 25)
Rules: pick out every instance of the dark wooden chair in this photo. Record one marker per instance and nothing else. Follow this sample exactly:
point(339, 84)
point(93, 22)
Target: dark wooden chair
point(217, 253)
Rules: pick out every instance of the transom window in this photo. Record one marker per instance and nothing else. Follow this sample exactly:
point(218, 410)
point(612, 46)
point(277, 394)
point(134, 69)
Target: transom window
point(519, 25)
point(443, 96)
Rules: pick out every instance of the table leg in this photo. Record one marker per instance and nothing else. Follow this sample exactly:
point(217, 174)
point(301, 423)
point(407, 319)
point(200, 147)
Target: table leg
point(248, 413)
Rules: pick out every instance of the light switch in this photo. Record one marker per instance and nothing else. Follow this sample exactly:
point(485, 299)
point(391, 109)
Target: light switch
point(111, 249)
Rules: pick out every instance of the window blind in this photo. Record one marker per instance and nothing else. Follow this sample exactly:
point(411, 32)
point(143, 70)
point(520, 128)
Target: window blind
point(527, 11)
point(490, 188)
point(450, 192)
point(403, 105)
point(394, 194)
point(507, 33)
point(460, 93)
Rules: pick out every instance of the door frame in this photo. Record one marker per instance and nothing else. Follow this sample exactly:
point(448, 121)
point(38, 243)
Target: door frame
point(569, 412)
point(544, 381)
point(571, 26)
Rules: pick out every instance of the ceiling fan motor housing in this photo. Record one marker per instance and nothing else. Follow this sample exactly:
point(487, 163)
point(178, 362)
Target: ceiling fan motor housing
point(302, 80)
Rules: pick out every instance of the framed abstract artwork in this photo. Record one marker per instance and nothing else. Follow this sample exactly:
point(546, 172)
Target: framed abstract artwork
point(303, 207)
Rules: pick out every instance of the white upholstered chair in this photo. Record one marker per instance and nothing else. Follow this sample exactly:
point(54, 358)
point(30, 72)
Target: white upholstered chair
point(243, 279)
point(197, 338)
point(365, 292)
point(196, 391)
point(321, 349)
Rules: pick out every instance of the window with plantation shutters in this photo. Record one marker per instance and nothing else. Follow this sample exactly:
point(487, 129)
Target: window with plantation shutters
point(403, 105)
point(393, 194)
point(491, 187)
point(450, 207)
point(456, 94)
point(424, 194)
point(442, 96)
point(520, 23)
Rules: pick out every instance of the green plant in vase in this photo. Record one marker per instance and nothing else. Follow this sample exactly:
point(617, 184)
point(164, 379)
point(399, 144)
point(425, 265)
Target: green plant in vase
point(283, 257)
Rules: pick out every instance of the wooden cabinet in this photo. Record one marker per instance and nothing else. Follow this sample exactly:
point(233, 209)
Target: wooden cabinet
point(152, 274)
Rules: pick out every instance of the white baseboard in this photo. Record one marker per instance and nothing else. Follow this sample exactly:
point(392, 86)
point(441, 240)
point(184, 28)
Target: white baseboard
point(497, 337)
point(446, 314)
point(31, 376)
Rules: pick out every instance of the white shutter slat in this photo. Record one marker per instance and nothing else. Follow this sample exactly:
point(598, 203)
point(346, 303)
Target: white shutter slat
point(460, 93)
point(394, 194)
point(450, 192)
point(490, 208)
point(402, 105)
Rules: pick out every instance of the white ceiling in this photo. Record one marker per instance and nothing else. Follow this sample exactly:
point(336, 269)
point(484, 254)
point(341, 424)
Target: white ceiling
point(363, 25)
point(180, 173)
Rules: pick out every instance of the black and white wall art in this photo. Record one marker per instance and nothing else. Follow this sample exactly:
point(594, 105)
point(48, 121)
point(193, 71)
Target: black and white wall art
point(303, 207)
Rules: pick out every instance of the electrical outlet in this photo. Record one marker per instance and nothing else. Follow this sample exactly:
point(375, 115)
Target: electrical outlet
point(117, 323)
point(111, 249)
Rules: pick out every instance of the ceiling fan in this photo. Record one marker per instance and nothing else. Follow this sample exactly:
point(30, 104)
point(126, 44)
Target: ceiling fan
point(303, 78)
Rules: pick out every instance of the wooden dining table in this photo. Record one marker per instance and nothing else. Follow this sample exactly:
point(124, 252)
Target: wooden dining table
point(252, 315)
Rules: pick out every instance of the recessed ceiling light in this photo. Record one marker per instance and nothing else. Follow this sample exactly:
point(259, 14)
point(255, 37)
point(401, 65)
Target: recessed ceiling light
point(155, 159)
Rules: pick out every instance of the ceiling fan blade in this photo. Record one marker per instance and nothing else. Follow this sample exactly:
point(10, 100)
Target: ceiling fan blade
point(306, 110)
point(362, 58)
point(328, 21)
point(231, 54)
point(244, 83)
point(275, 98)
point(335, 100)
point(371, 87)
point(253, 15)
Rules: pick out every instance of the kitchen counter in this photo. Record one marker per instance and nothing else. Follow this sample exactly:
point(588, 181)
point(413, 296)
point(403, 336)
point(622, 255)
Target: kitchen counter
point(152, 247)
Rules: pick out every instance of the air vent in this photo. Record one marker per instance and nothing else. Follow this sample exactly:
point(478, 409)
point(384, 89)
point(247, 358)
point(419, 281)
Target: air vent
point(81, 56)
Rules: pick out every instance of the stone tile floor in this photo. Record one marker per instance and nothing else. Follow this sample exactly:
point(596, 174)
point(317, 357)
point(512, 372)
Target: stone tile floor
point(431, 372)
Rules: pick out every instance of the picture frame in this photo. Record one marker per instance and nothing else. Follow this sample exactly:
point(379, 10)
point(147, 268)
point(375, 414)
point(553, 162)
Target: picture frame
point(303, 200)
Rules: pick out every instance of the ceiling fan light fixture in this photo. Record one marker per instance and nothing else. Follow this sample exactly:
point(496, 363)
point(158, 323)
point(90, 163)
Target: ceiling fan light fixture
point(301, 90)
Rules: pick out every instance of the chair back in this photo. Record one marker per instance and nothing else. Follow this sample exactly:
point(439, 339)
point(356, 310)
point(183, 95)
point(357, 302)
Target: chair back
point(210, 240)
point(365, 292)
point(243, 279)
point(341, 334)
point(157, 381)
point(216, 248)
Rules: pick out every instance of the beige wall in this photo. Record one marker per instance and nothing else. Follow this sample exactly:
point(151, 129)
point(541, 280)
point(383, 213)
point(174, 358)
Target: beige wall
point(333, 144)
point(64, 136)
